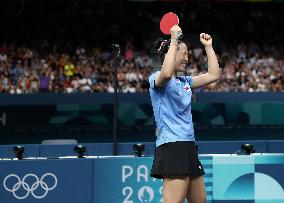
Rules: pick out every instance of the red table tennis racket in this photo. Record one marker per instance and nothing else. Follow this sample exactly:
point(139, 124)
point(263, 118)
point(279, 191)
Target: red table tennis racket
point(167, 22)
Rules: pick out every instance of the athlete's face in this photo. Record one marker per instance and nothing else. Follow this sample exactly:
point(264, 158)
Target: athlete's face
point(182, 58)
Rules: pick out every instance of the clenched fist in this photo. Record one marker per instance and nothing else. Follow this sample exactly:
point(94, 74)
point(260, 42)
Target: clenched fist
point(205, 39)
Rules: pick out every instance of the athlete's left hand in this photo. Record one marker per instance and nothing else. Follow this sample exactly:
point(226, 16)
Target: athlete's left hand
point(205, 39)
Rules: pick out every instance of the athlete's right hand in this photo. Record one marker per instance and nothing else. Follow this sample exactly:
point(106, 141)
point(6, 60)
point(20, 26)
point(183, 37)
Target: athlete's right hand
point(175, 32)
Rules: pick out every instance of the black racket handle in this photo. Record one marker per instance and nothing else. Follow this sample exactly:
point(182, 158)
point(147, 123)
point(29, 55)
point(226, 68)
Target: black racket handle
point(180, 35)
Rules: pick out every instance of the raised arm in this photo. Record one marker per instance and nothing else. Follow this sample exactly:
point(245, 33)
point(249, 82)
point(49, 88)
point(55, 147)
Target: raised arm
point(213, 66)
point(170, 58)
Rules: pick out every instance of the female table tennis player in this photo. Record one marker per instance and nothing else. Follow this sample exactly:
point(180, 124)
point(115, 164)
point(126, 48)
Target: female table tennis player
point(176, 159)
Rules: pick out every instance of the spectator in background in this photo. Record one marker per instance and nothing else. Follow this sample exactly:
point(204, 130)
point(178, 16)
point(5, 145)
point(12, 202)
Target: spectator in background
point(129, 52)
point(53, 63)
point(2, 90)
point(63, 60)
point(110, 88)
point(69, 68)
point(6, 83)
point(197, 52)
point(33, 84)
point(17, 71)
point(15, 90)
point(22, 83)
point(120, 77)
point(68, 85)
point(75, 83)
point(57, 85)
point(131, 75)
point(138, 88)
point(129, 88)
point(43, 83)
point(98, 87)
point(143, 61)
point(3, 57)
point(85, 84)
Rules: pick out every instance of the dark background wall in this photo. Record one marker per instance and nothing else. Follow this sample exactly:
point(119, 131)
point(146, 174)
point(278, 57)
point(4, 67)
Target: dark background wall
point(89, 117)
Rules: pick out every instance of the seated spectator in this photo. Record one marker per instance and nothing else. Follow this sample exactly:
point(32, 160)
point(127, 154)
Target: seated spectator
point(43, 83)
point(85, 84)
point(69, 68)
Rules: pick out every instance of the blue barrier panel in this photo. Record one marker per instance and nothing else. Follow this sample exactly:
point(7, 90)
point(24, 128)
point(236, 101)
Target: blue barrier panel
point(98, 149)
point(127, 148)
point(101, 149)
point(229, 147)
point(275, 146)
point(46, 181)
point(256, 178)
point(229, 178)
point(31, 150)
point(54, 151)
point(128, 180)
point(68, 150)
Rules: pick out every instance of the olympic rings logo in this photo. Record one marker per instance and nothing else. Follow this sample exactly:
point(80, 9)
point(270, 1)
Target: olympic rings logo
point(39, 183)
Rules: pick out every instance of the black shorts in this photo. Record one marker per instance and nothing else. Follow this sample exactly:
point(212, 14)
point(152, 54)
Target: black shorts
point(176, 159)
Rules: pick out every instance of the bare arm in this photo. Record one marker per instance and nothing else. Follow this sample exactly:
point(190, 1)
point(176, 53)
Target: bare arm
point(213, 66)
point(169, 61)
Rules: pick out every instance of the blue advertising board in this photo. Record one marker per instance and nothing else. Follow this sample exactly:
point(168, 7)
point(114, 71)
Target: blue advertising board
point(46, 181)
point(255, 178)
point(128, 180)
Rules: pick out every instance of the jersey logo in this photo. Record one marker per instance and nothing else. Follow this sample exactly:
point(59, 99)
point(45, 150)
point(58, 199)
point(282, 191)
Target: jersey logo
point(186, 88)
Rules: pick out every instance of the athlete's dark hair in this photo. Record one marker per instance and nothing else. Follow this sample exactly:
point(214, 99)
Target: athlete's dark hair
point(162, 47)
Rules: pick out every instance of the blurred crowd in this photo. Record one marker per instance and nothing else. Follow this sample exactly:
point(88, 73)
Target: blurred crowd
point(59, 65)
point(24, 70)
point(246, 68)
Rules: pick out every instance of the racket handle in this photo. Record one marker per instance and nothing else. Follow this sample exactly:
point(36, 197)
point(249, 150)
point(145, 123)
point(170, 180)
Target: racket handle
point(180, 35)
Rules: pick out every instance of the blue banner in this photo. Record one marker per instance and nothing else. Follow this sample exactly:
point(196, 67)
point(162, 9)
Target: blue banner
point(248, 178)
point(255, 178)
point(129, 180)
point(46, 181)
